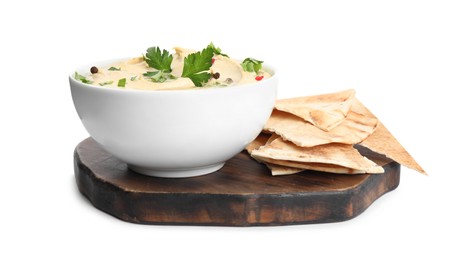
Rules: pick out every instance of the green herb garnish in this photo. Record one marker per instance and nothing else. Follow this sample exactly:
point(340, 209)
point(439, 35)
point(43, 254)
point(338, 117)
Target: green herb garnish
point(197, 65)
point(77, 76)
point(220, 84)
point(133, 78)
point(122, 82)
point(216, 50)
point(159, 60)
point(106, 83)
point(251, 65)
point(158, 76)
point(114, 69)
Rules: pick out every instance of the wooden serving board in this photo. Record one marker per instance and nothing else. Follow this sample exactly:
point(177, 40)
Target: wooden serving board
point(242, 193)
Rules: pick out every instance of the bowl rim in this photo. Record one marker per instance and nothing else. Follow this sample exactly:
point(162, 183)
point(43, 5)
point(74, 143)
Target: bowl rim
point(274, 77)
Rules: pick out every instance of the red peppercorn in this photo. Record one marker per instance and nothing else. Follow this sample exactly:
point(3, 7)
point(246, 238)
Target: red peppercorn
point(213, 61)
point(258, 78)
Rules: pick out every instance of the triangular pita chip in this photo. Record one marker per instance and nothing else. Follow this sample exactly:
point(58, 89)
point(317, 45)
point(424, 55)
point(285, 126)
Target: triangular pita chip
point(354, 129)
point(383, 142)
point(279, 169)
point(260, 141)
point(333, 154)
point(323, 111)
point(290, 167)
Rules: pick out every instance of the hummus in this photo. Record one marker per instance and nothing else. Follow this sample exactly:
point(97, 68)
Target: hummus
point(224, 72)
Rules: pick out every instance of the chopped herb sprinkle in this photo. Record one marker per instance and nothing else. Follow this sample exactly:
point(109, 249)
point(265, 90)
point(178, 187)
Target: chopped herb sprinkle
point(106, 83)
point(122, 82)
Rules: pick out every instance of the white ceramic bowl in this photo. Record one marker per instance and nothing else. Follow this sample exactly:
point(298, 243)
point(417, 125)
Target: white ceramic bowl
point(174, 133)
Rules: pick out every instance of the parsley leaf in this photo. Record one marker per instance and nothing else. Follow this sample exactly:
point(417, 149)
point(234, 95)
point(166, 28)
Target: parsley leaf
point(77, 76)
point(114, 69)
point(158, 76)
point(106, 83)
point(251, 65)
point(122, 82)
point(159, 60)
point(197, 65)
point(216, 50)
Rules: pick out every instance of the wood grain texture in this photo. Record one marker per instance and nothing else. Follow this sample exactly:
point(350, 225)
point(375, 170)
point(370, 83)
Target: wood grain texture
point(242, 193)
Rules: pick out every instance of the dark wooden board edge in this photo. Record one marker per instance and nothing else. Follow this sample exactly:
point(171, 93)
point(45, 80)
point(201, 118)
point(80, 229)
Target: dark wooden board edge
point(233, 210)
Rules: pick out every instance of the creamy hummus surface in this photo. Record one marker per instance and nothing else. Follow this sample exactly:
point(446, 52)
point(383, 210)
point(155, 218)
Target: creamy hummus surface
point(134, 73)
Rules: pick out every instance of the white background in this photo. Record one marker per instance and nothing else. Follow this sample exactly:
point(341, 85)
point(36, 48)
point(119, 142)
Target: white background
point(403, 57)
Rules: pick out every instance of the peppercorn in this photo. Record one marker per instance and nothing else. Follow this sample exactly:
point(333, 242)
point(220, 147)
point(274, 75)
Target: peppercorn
point(216, 75)
point(94, 70)
point(258, 78)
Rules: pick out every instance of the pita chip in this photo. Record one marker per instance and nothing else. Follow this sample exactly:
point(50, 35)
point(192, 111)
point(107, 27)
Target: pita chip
point(279, 169)
point(288, 167)
point(323, 111)
point(342, 155)
point(383, 142)
point(260, 141)
point(257, 142)
point(354, 129)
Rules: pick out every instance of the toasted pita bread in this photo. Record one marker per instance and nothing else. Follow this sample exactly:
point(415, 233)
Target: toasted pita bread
point(383, 142)
point(260, 141)
point(288, 167)
point(297, 144)
point(279, 169)
point(342, 155)
point(354, 129)
point(323, 111)
point(379, 159)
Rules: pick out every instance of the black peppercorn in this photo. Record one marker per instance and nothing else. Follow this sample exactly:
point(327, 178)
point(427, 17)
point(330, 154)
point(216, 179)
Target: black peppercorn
point(94, 70)
point(216, 75)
